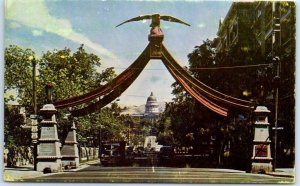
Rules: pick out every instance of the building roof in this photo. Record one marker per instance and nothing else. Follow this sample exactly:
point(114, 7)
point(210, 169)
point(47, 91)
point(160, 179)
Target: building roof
point(151, 98)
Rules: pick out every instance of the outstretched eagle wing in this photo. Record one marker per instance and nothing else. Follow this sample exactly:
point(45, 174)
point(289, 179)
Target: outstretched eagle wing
point(141, 17)
point(173, 19)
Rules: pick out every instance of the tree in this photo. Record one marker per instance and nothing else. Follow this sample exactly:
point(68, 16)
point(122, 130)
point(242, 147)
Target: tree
point(192, 123)
point(18, 74)
point(72, 74)
point(103, 125)
point(13, 131)
point(15, 136)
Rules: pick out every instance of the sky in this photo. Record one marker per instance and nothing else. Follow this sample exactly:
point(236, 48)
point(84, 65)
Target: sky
point(44, 25)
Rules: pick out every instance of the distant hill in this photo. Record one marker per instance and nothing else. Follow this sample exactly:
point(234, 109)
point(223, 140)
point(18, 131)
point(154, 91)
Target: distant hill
point(134, 109)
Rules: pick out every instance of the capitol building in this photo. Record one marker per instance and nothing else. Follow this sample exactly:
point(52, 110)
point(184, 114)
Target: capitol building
point(151, 108)
point(149, 113)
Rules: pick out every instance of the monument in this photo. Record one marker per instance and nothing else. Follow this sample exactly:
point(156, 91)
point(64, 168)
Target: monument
point(261, 159)
point(48, 150)
point(69, 151)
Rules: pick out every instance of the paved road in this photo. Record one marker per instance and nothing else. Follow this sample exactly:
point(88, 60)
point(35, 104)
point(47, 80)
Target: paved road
point(96, 173)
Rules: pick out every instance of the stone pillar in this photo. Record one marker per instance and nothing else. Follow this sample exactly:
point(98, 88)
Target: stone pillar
point(91, 152)
point(69, 152)
point(83, 154)
point(96, 152)
point(261, 159)
point(48, 150)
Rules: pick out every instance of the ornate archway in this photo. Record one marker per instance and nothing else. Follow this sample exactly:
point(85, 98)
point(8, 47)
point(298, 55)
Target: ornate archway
point(212, 99)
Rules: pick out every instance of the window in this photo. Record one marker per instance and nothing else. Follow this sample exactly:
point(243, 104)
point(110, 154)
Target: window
point(268, 45)
point(286, 30)
point(233, 32)
point(258, 13)
point(268, 17)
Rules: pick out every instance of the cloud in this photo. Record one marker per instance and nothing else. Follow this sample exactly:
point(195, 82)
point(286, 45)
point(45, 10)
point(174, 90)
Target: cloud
point(35, 14)
point(37, 32)
point(201, 25)
point(14, 25)
point(154, 79)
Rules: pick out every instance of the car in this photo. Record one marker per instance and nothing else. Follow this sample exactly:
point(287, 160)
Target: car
point(112, 153)
point(166, 155)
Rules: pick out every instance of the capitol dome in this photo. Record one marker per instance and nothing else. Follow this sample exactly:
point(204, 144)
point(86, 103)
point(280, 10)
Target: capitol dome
point(152, 107)
point(151, 98)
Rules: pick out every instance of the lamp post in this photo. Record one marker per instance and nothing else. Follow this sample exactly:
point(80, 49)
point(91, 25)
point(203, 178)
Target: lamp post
point(49, 92)
point(276, 49)
point(34, 127)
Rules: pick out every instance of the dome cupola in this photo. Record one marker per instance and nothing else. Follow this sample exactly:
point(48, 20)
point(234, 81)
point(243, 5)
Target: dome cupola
point(151, 98)
point(152, 106)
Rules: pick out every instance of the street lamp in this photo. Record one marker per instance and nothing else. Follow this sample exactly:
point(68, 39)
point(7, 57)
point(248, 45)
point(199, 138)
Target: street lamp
point(34, 117)
point(49, 92)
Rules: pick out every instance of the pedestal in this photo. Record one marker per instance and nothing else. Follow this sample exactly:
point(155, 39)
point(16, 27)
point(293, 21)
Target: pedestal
point(48, 150)
point(261, 159)
point(69, 152)
point(156, 37)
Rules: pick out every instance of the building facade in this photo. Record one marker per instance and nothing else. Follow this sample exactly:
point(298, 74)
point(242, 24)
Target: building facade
point(232, 27)
point(268, 28)
point(264, 26)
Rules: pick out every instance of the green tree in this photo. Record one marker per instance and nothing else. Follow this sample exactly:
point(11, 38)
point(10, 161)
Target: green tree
point(13, 131)
point(192, 123)
point(18, 74)
point(72, 74)
point(15, 136)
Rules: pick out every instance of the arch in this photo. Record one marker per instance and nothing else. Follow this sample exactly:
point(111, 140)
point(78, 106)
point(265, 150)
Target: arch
point(212, 99)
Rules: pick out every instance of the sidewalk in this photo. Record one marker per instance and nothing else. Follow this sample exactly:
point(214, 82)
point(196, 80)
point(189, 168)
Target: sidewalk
point(283, 172)
point(16, 174)
point(20, 173)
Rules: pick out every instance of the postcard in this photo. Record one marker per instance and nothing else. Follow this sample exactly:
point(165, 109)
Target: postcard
point(149, 91)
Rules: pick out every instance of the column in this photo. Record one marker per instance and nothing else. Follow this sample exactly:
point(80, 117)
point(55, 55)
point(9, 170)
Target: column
point(69, 151)
point(261, 159)
point(48, 150)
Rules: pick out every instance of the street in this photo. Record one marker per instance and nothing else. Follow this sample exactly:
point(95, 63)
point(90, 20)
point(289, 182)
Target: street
point(97, 173)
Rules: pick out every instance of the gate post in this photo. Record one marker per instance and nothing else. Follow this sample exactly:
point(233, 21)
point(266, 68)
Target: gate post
point(261, 159)
point(69, 151)
point(48, 151)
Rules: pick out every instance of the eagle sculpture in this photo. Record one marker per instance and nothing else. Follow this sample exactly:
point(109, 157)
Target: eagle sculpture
point(155, 20)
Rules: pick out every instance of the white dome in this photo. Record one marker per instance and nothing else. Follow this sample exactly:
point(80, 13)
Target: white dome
point(152, 106)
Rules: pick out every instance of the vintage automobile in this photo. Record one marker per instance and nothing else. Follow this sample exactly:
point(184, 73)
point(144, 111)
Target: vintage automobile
point(112, 153)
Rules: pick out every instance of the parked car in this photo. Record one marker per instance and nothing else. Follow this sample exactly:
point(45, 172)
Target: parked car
point(166, 156)
point(112, 153)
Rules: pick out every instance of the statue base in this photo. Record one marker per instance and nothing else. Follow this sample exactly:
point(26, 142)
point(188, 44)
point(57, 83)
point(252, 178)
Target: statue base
point(70, 162)
point(49, 166)
point(261, 167)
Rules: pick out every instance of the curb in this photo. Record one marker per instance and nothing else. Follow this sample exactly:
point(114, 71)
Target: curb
point(82, 166)
point(280, 175)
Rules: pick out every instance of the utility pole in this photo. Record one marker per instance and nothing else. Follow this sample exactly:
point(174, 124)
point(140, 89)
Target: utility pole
point(276, 46)
point(34, 127)
point(276, 81)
